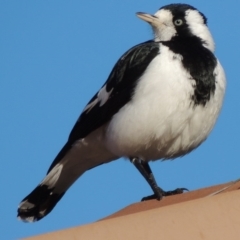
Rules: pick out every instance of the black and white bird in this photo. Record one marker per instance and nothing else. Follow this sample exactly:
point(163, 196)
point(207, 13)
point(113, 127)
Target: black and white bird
point(160, 101)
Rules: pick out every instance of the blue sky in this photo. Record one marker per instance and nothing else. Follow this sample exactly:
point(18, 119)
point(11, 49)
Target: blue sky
point(54, 55)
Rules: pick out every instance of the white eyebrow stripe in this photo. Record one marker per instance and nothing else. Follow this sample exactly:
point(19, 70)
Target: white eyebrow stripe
point(196, 24)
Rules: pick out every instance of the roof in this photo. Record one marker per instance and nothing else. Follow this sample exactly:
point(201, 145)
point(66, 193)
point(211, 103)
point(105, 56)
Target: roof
point(208, 213)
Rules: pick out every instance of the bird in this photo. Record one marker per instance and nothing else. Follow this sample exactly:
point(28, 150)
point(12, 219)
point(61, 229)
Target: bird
point(160, 101)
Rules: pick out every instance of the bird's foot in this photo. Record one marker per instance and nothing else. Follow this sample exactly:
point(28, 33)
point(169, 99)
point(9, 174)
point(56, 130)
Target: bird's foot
point(160, 194)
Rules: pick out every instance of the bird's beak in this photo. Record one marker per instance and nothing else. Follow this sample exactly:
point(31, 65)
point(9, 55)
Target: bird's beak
point(151, 19)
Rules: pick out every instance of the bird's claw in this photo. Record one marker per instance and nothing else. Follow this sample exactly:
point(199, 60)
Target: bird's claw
point(174, 192)
point(164, 194)
point(154, 196)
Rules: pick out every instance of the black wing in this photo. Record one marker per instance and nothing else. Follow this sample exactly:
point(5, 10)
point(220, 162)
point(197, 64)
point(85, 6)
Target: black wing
point(120, 83)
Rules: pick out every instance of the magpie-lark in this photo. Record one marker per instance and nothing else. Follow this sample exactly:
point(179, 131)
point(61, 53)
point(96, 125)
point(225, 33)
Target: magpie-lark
point(160, 101)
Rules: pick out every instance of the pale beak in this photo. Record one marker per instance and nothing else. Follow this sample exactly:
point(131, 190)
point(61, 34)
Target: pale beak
point(151, 19)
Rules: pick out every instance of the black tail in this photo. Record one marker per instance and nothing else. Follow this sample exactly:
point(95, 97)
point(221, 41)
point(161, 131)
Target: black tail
point(71, 162)
point(38, 204)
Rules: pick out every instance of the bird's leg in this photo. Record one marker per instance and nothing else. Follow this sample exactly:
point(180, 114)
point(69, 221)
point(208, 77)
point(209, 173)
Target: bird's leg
point(146, 171)
point(144, 168)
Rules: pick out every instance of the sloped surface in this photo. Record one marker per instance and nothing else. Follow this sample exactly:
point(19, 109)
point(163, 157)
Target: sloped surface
point(209, 213)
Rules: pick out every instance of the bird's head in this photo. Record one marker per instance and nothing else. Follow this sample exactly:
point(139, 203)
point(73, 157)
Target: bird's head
point(179, 20)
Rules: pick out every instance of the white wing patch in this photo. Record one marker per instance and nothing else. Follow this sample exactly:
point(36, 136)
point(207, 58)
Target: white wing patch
point(52, 177)
point(91, 105)
point(102, 97)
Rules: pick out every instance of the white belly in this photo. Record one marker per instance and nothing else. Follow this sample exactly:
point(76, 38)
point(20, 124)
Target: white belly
point(160, 121)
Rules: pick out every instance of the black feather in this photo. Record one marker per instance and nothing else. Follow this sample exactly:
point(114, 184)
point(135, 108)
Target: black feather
point(122, 79)
point(199, 62)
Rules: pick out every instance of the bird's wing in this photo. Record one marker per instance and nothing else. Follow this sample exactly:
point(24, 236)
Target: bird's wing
point(113, 95)
point(116, 91)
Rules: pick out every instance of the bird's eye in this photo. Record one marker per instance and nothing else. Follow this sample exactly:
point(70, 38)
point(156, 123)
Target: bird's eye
point(178, 22)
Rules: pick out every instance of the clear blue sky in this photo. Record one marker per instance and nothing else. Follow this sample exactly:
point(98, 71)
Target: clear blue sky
point(54, 55)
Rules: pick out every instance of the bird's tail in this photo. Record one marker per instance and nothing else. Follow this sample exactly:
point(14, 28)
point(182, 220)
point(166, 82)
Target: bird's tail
point(44, 197)
point(72, 161)
point(38, 204)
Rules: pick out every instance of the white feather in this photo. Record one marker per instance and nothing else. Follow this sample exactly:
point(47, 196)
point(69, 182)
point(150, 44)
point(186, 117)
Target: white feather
point(159, 121)
point(26, 205)
point(90, 105)
point(83, 155)
point(165, 30)
point(198, 28)
point(102, 97)
point(53, 176)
